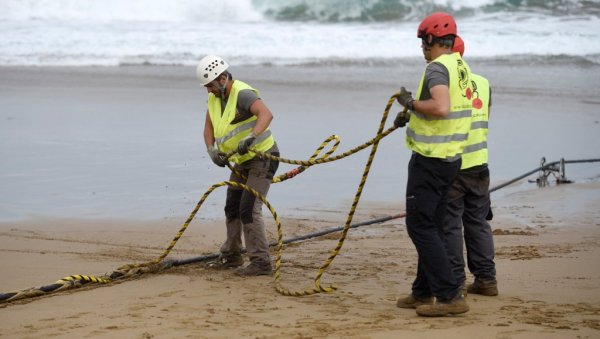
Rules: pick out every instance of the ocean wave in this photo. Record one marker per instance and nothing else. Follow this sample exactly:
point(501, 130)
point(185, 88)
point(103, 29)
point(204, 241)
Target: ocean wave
point(331, 11)
point(112, 44)
point(398, 10)
point(78, 33)
point(341, 62)
point(130, 10)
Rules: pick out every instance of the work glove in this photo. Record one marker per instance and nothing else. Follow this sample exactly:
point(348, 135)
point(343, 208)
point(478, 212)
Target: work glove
point(401, 119)
point(405, 98)
point(245, 144)
point(217, 157)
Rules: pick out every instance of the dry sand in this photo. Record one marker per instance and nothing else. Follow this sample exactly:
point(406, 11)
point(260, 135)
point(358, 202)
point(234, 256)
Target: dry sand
point(547, 260)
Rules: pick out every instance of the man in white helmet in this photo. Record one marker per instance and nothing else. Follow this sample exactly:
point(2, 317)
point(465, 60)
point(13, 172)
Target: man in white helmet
point(237, 120)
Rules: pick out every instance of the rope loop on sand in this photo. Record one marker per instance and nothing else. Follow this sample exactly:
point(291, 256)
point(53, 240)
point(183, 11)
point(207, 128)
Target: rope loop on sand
point(159, 263)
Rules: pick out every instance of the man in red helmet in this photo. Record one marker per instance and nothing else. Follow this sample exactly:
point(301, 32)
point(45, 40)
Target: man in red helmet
point(469, 198)
point(438, 127)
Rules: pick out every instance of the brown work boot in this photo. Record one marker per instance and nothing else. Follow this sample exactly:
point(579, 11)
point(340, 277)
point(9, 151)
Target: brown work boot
point(483, 287)
point(413, 302)
point(457, 305)
point(226, 261)
point(255, 268)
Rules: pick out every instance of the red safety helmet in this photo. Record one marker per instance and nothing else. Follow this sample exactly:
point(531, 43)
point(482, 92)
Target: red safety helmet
point(438, 24)
point(459, 46)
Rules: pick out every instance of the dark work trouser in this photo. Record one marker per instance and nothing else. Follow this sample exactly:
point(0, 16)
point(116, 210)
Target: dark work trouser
point(243, 211)
point(468, 207)
point(428, 182)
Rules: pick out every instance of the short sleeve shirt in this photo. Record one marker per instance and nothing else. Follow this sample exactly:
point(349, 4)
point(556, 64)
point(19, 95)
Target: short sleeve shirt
point(435, 74)
point(246, 98)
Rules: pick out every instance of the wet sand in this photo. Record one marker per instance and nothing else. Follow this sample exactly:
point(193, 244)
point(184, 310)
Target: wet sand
point(126, 142)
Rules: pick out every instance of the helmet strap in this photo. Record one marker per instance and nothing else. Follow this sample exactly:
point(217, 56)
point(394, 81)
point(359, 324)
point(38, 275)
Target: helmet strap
point(428, 41)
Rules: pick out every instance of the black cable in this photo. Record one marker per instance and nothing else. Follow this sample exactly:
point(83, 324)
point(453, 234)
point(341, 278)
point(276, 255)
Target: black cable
point(379, 220)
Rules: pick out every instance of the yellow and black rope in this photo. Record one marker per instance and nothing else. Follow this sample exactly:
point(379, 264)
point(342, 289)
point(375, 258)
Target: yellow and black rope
point(159, 263)
point(375, 142)
point(313, 160)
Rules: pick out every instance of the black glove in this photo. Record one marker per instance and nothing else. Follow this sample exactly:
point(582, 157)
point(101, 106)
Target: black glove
point(401, 119)
point(245, 143)
point(405, 98)
point(217, 157)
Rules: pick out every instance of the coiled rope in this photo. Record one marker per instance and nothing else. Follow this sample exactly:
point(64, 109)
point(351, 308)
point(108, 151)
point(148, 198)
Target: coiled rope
point(160, 264)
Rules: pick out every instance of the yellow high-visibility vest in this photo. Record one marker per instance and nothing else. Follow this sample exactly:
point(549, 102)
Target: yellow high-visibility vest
point(228, 135)
point(476, 151)
point(438, 137)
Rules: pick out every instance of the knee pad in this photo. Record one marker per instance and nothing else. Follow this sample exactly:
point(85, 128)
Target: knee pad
point(232, 204)
point(246, 208)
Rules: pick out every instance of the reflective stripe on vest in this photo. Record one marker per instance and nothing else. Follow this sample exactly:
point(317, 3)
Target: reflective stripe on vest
point(476, 151)
point(228, 135)
point(444, 137)
point(451, 115)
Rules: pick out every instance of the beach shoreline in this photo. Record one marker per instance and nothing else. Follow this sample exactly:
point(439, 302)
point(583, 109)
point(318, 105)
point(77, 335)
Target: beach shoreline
point(126, 142)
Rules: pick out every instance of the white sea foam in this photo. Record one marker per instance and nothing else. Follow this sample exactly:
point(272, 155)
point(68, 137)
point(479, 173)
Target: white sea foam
point(131, 10)
point(179, 32)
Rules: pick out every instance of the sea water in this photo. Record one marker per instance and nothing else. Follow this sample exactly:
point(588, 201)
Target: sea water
point(180, 32)
point(117, 158)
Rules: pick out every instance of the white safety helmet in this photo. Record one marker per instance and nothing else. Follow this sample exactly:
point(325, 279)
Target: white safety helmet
point(209, 68)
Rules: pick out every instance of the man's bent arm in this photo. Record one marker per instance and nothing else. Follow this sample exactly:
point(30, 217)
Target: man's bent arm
point(438, 105)
point(264, 117)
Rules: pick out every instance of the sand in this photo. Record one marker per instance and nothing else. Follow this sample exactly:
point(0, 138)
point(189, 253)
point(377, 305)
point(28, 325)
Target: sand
point(547, 252)
point(101, 167)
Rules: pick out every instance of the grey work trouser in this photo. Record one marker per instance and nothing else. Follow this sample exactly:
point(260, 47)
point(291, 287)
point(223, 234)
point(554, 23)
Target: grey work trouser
point(468, 207)
point(243, 211)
